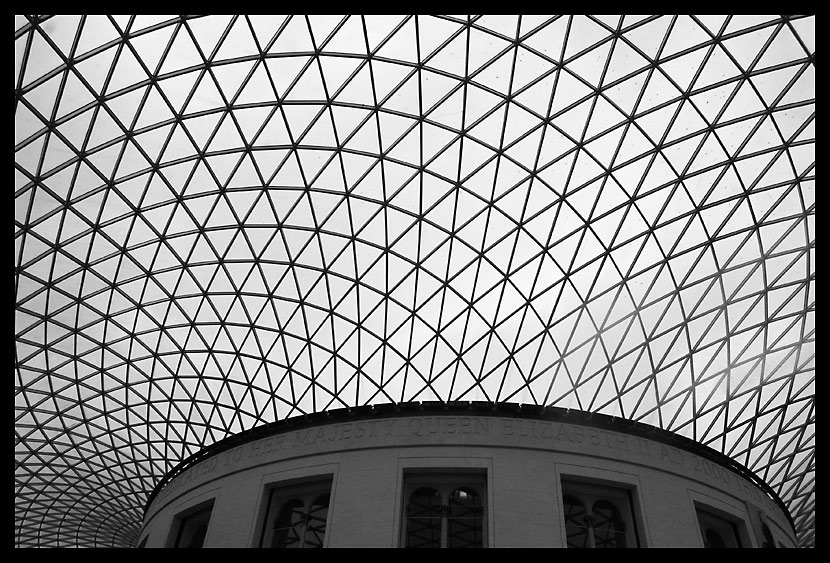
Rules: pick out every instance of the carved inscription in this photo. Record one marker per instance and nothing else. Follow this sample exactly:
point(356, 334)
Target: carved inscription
point(192, 475)
point(574, 434)
point(348, 431)
point(523, 432)
point(429, 425)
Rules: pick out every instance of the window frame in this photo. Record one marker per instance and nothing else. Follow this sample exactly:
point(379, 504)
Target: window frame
point(277, 494)
point(736, 525)
point(181, 520)
point(445, 481)
point(589, 492)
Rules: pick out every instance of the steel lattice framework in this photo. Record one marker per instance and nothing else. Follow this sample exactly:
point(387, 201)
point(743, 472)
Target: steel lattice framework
point(225, 221)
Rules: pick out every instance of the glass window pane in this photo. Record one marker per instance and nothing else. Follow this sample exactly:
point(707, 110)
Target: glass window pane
point(718, 531)
point(193, 529)
point(609, 530)
point(423, 523)
point(714, 539)
point(465, 519)
point(296, 515)
point(316, 531)
point(288, 525)
point(575, 524)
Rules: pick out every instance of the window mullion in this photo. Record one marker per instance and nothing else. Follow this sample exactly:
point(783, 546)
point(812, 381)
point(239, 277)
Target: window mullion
point(445, 524)
point(589, 521)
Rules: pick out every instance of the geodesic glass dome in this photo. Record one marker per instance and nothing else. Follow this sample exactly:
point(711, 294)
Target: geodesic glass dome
point(225, 221)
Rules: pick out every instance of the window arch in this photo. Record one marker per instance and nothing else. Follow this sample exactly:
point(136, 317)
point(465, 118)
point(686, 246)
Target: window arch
point(288, 524)
point(424, 515)
point(713, 539)
point(575, 525)
point(598, 516)
point(718, 528)
point(315, 531)
point(190, 527)
point(296, 516)
point(465, 518)
point(444, 510)
point(609, 528)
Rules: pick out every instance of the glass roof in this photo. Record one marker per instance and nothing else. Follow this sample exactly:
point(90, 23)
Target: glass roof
point(225, 221)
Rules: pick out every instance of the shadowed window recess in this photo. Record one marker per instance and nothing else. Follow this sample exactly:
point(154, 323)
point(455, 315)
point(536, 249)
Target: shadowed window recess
point(191, 527)
point(598, 516)
point(721, 530)
point(296, 516)
point(444, 511)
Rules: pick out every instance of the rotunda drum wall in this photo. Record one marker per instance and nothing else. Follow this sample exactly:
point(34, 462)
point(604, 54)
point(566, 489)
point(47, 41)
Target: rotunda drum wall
point(368, 444)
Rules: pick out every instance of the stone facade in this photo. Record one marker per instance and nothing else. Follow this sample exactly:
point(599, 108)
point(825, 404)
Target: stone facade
point(523, 460)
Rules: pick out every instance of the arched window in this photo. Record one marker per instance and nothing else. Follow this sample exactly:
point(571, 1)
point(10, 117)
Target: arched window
point(423, 518)
point(192, 526)
point(296, 516)
point(576, 526)
point(317, 516)
point(718, 528)
point(609, 528)
point(288, 524)
point(465, 519)
point(444, 510)
point(713, 539)
point(598, 515)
